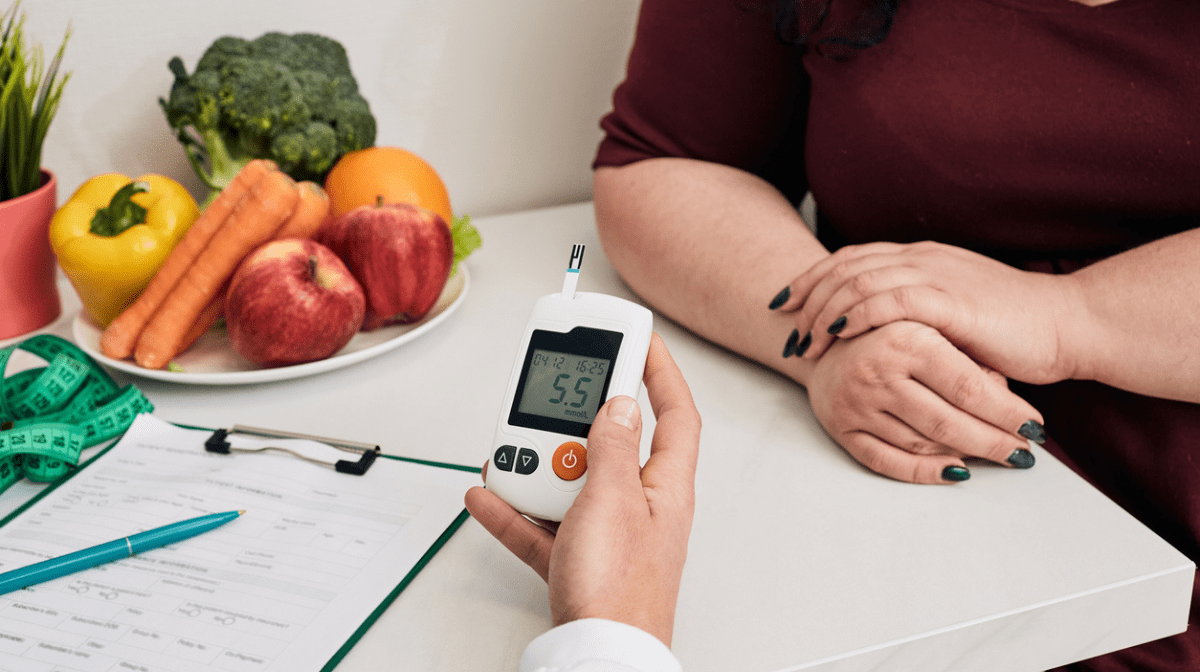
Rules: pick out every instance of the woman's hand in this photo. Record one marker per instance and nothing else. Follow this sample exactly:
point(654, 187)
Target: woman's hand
point(907, 403)
point(619, 552)
point(1002, 317)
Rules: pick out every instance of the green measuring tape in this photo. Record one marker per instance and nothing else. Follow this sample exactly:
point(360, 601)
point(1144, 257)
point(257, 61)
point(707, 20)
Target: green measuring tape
point(49, 414)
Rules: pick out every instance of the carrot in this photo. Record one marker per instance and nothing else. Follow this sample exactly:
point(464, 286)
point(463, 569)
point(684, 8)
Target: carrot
point(254, 221)
point(119, 339)
point(208, 317)
point(311, 211)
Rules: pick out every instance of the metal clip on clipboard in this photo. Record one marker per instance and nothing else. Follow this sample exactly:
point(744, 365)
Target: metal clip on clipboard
point(218, 443)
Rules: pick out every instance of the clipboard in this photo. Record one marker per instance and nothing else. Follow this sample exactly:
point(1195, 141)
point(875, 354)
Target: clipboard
point(365, 614)
point(219, 442)
point(368, 453)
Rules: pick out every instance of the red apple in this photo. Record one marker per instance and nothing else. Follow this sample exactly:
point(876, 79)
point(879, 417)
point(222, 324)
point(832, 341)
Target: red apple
point(401, 254)
point(292, 301)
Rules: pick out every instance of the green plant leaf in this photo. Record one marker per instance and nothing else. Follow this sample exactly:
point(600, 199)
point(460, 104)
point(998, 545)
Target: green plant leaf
point(30, 93)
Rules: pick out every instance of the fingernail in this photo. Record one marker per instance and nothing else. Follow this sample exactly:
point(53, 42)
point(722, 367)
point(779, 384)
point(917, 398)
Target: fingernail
point(1033, 431)
point(804, 343)
point(838, 325)
point(1021, 459)
point(780, 298)
point(623, 411)
point(790, 346)
point(955, 473)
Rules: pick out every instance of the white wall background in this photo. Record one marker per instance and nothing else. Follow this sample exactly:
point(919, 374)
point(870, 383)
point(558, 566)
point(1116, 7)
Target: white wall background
point(502, 97)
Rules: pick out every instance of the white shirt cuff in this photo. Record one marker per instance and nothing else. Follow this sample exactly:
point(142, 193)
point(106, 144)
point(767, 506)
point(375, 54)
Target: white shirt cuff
point(599, 645)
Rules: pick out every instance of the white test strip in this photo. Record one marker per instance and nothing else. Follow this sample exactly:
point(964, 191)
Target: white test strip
point(572, 276)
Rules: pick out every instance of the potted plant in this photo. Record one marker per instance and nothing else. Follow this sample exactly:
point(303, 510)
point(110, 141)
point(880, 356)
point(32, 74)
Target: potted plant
point(29, 95)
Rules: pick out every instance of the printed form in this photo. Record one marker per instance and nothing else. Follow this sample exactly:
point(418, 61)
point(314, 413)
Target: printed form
point(283, 587)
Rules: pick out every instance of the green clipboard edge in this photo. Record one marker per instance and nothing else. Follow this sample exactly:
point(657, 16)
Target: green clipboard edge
point(437, 546)
point(387, 601)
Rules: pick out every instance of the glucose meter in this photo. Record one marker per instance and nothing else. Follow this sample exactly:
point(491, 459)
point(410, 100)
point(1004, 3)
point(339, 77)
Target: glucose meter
point(578, 350)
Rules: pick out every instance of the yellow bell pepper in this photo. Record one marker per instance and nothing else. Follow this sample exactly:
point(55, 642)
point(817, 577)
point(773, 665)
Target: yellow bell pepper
point(114, 233)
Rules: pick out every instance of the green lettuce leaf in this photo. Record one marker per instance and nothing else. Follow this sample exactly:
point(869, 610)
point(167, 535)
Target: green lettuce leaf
point(466, 240)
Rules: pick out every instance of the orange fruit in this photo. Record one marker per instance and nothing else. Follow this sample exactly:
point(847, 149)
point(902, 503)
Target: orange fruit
point(396, 175)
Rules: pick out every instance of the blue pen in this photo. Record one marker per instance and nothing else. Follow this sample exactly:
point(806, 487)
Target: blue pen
point(113, 550)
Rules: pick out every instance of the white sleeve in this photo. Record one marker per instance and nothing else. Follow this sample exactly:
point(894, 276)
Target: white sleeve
point(598, 645)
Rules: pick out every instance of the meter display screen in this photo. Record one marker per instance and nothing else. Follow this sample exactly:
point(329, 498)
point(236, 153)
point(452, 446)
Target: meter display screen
point(564, 380)
point(564, 385)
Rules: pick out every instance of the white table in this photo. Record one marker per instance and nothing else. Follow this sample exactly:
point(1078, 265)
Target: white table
point(799, 558)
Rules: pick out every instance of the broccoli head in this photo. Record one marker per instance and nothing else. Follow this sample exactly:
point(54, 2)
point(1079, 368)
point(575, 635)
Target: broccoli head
point(288, 98)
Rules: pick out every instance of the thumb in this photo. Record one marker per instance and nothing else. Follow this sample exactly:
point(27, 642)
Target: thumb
point(613, 443)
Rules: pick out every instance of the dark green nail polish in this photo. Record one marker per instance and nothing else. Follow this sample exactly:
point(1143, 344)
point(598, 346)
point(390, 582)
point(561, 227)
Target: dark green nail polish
point(804, 343)
point(1033, 431)
point(790, 347)
point(1021, 459)
point(838, 325)
point(780, 298)
point(953, 473)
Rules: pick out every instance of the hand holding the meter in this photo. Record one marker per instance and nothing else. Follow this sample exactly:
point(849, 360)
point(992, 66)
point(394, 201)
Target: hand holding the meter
point(619, 552)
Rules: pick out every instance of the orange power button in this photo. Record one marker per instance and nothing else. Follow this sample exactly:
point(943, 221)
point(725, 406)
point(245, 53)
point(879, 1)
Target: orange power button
point(570, 460)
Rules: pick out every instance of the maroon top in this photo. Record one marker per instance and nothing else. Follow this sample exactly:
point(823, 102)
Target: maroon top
point(1016, 128)
point(1045, 133)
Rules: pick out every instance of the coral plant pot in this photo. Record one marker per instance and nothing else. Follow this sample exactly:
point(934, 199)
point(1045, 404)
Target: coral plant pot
point(28, 289)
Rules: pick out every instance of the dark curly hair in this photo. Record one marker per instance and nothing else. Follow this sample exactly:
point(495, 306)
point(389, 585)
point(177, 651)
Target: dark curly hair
point(801, 22)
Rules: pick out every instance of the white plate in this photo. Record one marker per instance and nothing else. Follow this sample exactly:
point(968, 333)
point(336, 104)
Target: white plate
point(212, 361)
